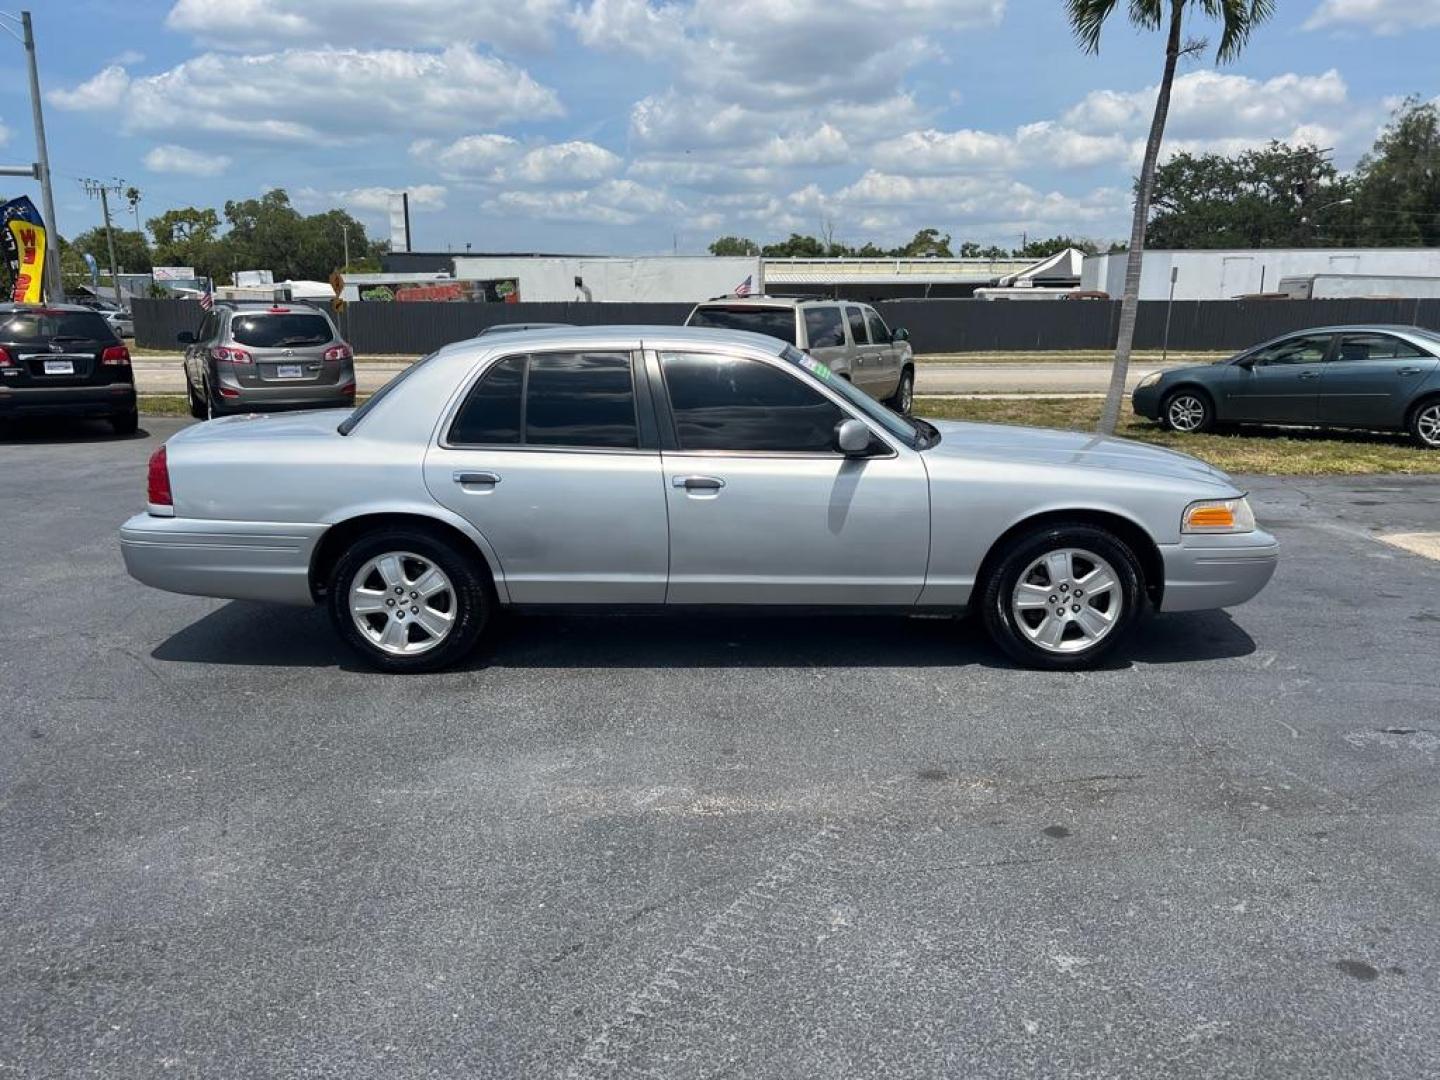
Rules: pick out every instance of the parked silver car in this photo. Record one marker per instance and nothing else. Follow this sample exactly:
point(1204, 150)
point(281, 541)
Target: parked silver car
point(252, 356)
point(654, 467)
point(849, 338)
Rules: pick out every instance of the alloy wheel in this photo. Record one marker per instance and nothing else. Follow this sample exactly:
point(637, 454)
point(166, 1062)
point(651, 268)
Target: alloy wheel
point(1427, 424)
point(1186, 412)
point(402, 603)
point(1067, 600)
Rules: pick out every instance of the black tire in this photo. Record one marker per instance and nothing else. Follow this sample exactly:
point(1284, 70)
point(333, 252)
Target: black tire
point(999, 588)
point(1424, 424)
point(197, 403)
point(472, 597)
point(1194, 405)
point(126, 423)
point(903, 400)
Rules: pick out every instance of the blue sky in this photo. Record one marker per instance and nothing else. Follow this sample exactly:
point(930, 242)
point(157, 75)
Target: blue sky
point(629, 126)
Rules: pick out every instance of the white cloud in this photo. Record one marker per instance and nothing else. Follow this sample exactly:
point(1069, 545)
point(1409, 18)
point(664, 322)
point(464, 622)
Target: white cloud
point(262, 25)
point(318, 95)
point(1377, 16)
point(614, 202)
point(169, 158)
point(567, 162)
point(630, 25)
point(469, 155)
point(376, 200)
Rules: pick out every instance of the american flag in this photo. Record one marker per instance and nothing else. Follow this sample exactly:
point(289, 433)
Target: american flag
point(207, 300)
point(743, 289)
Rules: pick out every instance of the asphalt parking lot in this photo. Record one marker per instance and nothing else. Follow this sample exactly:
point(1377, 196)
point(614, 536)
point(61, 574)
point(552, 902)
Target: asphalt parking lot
point(647, 847)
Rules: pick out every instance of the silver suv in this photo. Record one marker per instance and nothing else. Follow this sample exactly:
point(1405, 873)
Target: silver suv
point(255, 357)
point(849, 338)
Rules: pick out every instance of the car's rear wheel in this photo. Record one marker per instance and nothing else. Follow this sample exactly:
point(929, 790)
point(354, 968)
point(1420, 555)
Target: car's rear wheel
point(1188, 411)
point(408, 601)
point(126, 423)
point(1425, 424)
point(1063, 597)
point(903, 399)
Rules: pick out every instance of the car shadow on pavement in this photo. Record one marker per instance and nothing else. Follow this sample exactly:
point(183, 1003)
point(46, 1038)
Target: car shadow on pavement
point(49, 432)
point(242, 633)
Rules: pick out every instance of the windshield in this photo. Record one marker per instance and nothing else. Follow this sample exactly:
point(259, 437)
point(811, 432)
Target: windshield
point(270, 331)
point(41, 327)
point(913, 433)
point(776, 322)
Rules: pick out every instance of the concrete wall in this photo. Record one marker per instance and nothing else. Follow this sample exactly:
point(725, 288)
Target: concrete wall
point(653, 279)
point(1224, 275)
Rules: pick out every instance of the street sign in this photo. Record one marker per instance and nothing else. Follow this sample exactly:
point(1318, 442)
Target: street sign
point(337, 305)
point(337, 282)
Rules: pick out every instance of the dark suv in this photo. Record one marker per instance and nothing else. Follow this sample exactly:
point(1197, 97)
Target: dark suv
point(254, 357)
point(64, 360)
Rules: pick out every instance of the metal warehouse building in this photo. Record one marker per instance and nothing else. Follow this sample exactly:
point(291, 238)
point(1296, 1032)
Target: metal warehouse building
point(1225, 274)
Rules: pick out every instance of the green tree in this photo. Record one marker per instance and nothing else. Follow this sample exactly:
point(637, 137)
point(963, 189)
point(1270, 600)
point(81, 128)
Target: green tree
point(1087, 18)
point(796, 247)
point(132, 249)
point(187, 237)
point(1043, 249)
point(269, 234)
point(734, 245)
point(1397, 184)
point(927, 243)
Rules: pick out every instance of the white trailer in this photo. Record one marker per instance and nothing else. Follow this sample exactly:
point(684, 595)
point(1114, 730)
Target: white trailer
point(1350, 286)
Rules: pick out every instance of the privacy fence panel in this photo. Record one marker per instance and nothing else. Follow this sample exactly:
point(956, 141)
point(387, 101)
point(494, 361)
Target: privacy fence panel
point(935, 325)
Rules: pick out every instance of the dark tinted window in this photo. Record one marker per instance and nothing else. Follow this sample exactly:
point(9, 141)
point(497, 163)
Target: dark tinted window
point(269, 330)
point(879, 332)
point(1305, 349)
point(777, 322)
point(207, 328)
point(823, 327)
point(38, 328)
point(491, 413)
point(580, 399)
point(725, 403)
point(857, 325)
point(1355, 347)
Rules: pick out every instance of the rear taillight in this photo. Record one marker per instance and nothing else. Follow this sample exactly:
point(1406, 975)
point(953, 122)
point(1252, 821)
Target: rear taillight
point(116, 356)
point(348, 389)
point(229, 392)
point(233, 356)
point(158, 480)
point(6, 360)
point(338, 352)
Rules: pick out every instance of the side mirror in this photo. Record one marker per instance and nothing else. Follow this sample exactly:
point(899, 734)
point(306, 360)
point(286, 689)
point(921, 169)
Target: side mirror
point(900, 334)
point(185, 337)
point(852, 437)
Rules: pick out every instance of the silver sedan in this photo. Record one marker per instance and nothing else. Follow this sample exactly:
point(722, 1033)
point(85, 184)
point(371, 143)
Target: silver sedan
point(627, 468)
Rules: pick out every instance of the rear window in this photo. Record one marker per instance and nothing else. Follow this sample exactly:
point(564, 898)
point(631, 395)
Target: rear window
point(777, 322)
point(272, 330)
point(41, 327)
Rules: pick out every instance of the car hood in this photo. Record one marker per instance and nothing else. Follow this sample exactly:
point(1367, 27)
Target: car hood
point(288, 425)
point(1007, 443)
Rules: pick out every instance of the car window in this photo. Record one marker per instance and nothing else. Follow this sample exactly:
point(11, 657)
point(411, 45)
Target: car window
point(207, 327)
point(879, 332)
point(38, 328)
point(856, 320)
point(778, 322)
point(742, 405)
point(569, 399)
point(1306, 349)
point(823, 327)
point(1359, 347)
point(581, 399)
point(860, 401)
point(270, 330)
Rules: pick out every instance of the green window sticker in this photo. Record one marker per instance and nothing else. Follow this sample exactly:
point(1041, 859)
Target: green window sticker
point(813, 365)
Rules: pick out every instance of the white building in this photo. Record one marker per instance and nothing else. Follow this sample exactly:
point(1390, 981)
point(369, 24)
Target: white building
point(1226, 274)
point(612, 279)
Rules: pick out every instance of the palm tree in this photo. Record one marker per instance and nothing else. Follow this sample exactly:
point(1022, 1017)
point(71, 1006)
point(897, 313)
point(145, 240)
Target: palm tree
point(1087, 19)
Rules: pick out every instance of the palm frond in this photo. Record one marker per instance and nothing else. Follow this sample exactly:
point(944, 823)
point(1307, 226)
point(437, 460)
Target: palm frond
point(1238, 18)
point(1087, 19)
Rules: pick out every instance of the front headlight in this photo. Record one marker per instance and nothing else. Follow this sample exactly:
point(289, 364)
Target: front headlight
point(1218, 516)
point(1149, 380)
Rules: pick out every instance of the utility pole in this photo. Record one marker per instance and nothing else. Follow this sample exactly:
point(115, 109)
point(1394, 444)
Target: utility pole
point(99, 187)
point(40, 170)
point(345, 236)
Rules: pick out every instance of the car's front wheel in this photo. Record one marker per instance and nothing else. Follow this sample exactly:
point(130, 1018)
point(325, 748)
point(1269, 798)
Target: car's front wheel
point(408, 601)
point(1063, 596)
point(1425, 424)
point(1188, 411)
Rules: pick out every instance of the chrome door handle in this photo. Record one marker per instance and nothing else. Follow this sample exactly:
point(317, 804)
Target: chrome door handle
point(1310, 375)
point(1408, 371)
point(476, 478)
point(698, 483)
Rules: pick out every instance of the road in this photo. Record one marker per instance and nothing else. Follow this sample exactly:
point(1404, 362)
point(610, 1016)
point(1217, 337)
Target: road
point(654, 847)
point(164, 376)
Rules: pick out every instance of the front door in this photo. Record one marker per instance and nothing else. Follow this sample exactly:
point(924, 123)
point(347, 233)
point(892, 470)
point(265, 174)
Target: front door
point(887, 355)
point(545, 458)
point(765, 510)
point(1371, 380)
point(1279, 383)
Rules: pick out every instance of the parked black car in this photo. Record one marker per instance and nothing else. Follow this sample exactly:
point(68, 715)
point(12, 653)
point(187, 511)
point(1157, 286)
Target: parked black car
point(1371, 377)
point(64, 360)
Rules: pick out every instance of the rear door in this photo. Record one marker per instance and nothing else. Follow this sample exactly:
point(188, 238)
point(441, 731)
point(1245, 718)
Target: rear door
point(1280, 383)
point(864, 362)
point(1371, 380)
point(286, 346)
point(550, 458)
